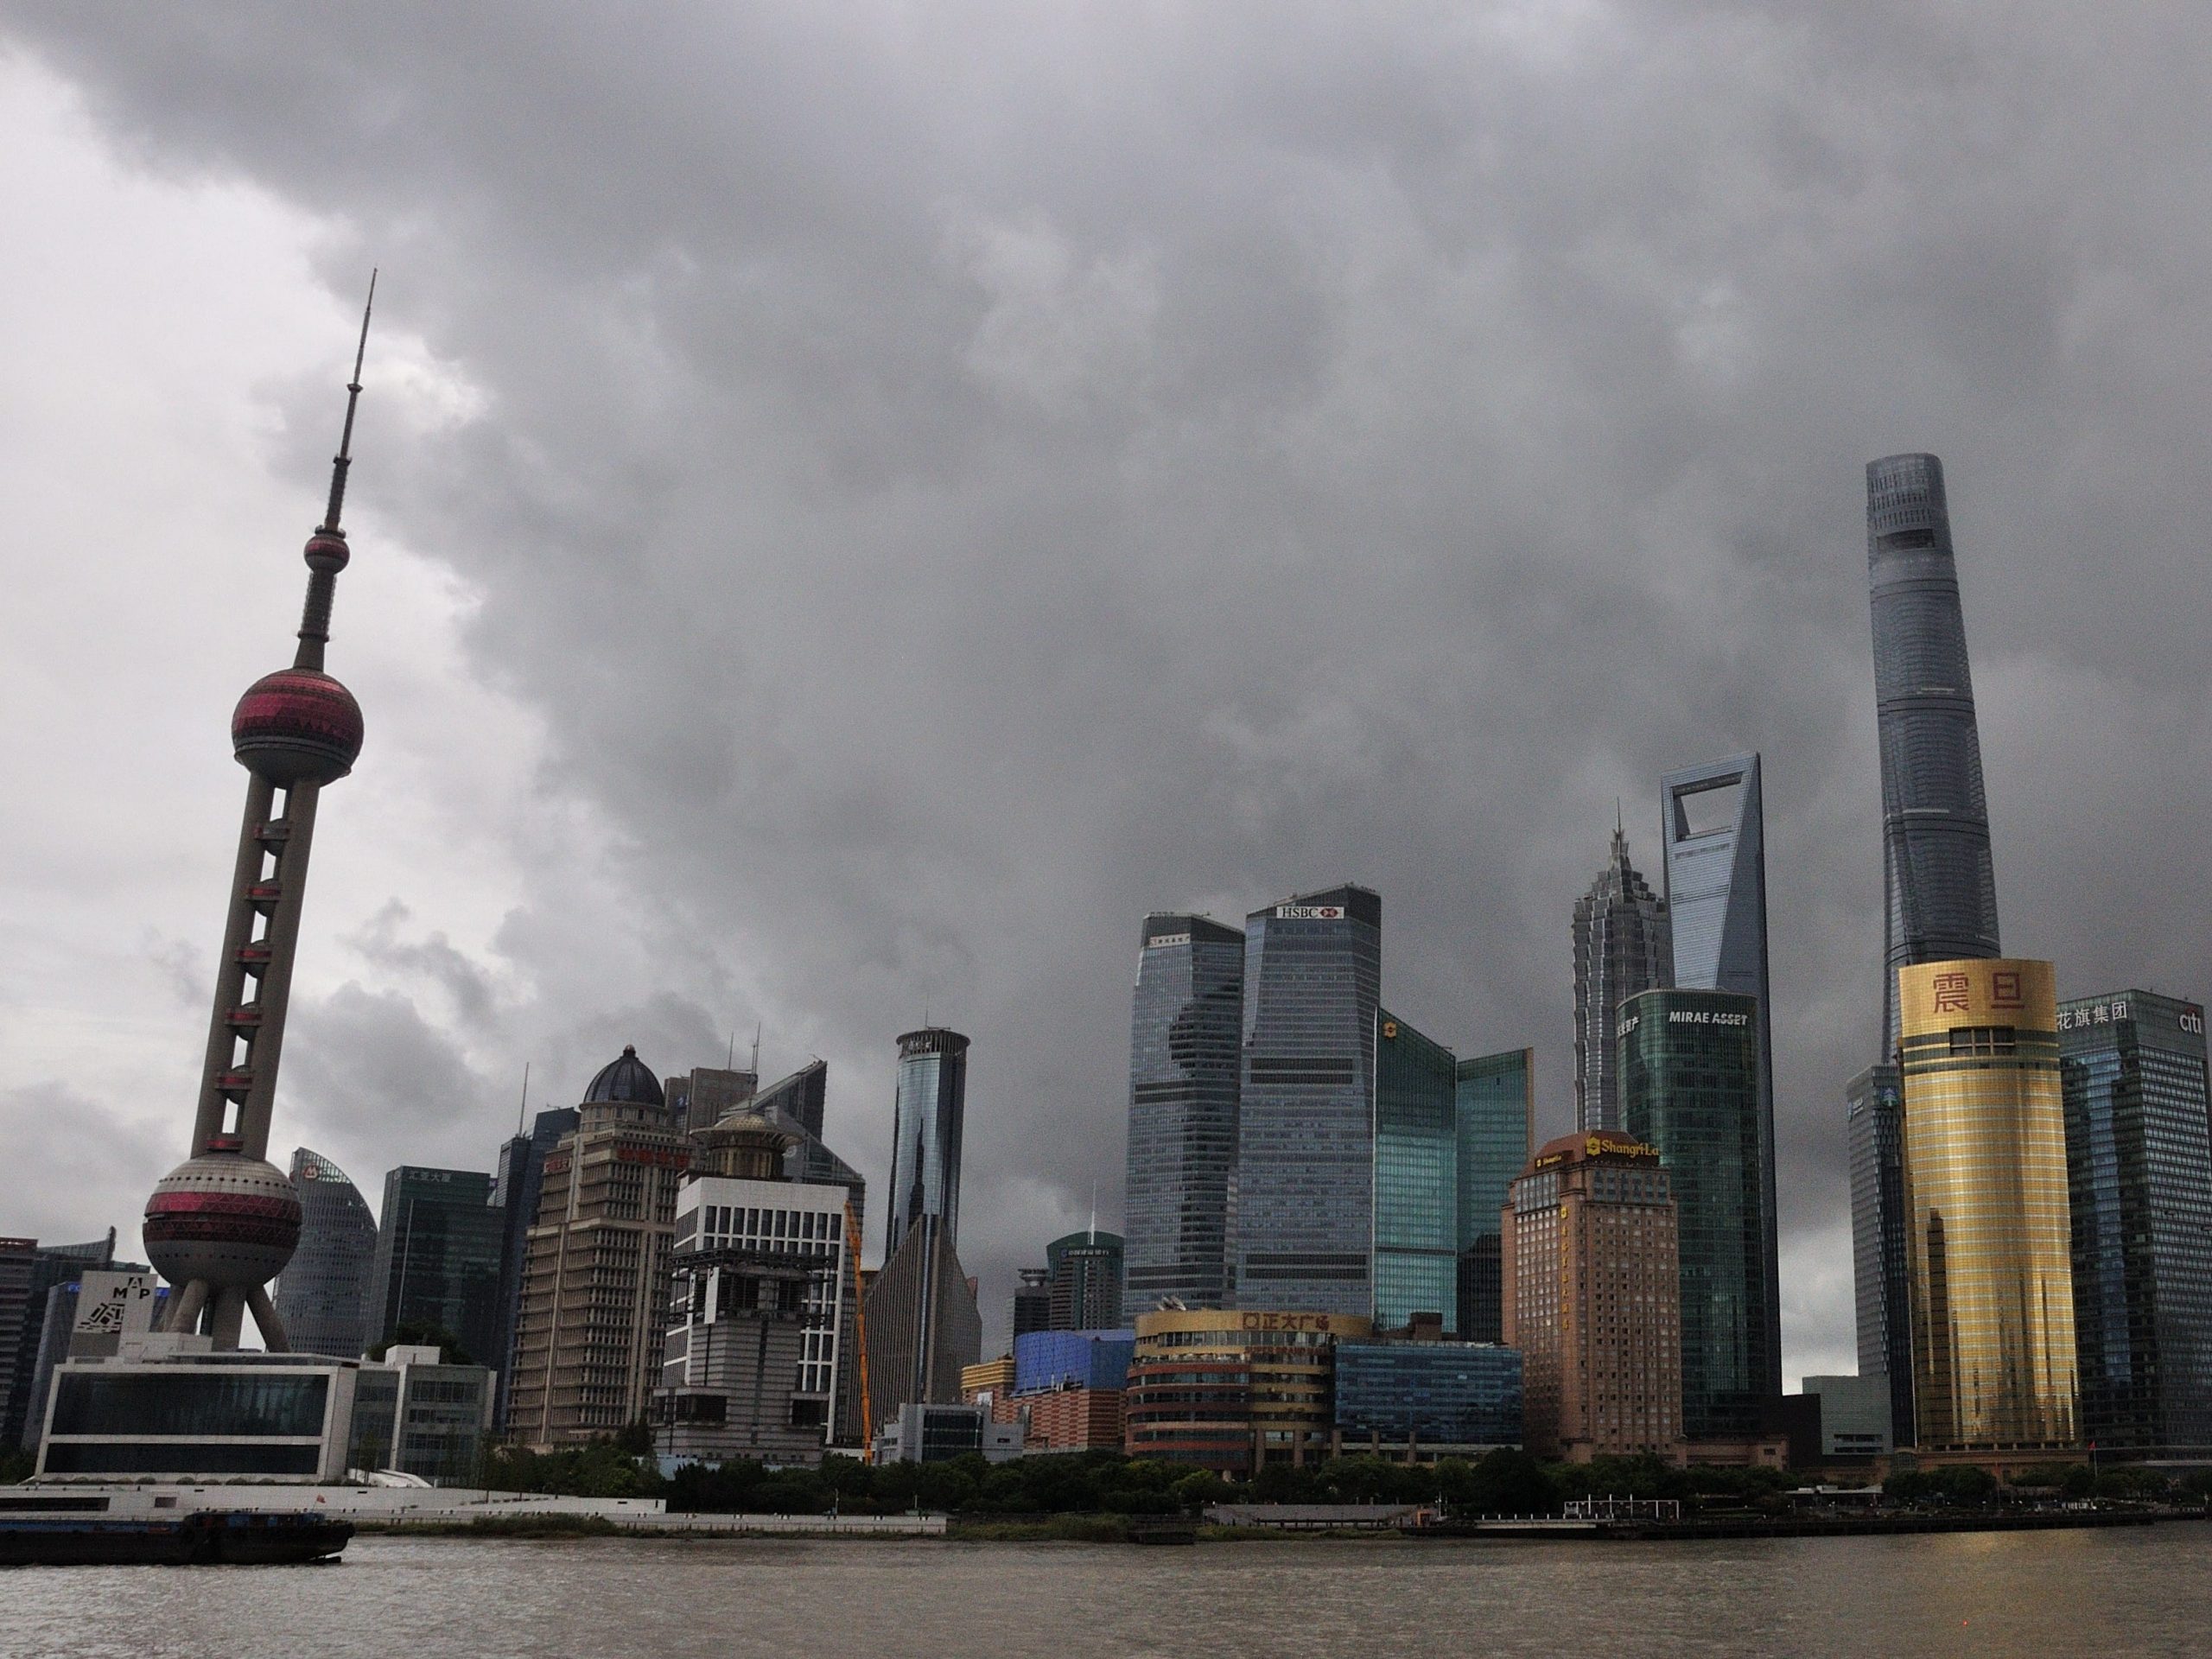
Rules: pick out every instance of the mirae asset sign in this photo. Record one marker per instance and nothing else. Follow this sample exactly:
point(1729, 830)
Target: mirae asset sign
point(1686, 1017)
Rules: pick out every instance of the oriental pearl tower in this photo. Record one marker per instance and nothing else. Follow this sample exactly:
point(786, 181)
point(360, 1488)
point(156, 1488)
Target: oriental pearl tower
point(223, 1224)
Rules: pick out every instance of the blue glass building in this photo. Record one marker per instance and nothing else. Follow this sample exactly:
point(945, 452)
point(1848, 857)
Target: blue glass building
point(1072, 1359)
point(1494, 1096)
point(1464, 1395)
point(2139, 1186)
point(1304, 1222)
point(927, 1119)
point(1713, 826)
point(1416, 1177)
point(323, 1294)
point(1881, 1282)
point(1185, 1036)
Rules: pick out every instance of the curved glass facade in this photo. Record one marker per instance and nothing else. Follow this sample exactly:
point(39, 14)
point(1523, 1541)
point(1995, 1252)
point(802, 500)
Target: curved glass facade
point(1183, 1036)
point(1937, 874)
point(1232, 1391)
point(927, 1116)
point(323, 1296)
point(1988, 1242)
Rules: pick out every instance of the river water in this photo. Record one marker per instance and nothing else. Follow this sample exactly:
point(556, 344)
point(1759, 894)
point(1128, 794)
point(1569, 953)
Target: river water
point(2130, 1590)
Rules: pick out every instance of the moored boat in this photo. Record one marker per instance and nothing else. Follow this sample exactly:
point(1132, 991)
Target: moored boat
point(42, 1529)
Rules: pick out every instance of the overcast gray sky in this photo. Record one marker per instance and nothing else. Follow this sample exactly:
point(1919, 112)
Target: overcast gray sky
point(855, 504)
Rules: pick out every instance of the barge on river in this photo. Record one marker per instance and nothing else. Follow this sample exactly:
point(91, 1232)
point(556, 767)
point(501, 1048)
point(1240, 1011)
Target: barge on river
point(61, 1529)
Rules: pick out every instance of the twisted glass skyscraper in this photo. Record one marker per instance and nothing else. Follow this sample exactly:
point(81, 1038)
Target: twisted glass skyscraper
point(1939, 884)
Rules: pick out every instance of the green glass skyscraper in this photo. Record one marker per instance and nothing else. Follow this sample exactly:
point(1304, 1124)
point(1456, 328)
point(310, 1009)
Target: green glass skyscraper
point(1495, 1098)
point(1416, 1177)
point(1713, 832)
point(437, 1261)
point(1689, 1070)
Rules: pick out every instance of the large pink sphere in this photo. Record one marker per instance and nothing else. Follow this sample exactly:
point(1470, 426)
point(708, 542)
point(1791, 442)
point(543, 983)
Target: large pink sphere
point(229, 1219)
point(297, 726)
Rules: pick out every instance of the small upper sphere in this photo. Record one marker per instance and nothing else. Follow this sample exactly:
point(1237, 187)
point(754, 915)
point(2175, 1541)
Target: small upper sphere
point(296, 726)
point(326, 550)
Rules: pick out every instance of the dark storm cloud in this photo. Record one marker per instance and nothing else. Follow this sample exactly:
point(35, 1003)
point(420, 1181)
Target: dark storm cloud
point(955, 478)
point(93, 1165)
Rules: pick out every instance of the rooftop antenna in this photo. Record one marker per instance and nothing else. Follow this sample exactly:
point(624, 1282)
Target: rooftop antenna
point(523, 1105)
point(729, 1063)
point(756, 1051)
point(1093, 1212)
point(344, 458)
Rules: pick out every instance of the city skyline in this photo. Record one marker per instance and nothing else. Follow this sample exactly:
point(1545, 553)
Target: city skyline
point(752, 685)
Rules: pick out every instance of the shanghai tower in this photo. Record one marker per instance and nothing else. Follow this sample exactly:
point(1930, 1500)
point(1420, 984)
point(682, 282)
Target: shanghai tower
point(223, 1224)
point(1940, 890)
point(1940, 886)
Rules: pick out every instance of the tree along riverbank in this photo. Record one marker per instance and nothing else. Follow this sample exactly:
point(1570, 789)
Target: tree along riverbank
point(1107, 1483)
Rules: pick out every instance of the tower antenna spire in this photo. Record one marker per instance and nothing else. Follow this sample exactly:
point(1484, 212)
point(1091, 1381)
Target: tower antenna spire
point(523, 1108)
point(223, 1224)
point(344, 458)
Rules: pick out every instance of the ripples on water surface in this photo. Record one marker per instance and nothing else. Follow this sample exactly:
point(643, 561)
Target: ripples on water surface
point(2135, 1590)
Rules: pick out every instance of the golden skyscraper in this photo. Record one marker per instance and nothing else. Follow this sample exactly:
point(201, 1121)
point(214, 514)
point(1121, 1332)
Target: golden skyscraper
point(1987, 1242)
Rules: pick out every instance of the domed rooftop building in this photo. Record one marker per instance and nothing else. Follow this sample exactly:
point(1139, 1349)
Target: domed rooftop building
point(594, 1283)
point(747, 1144)
point(627, 1081)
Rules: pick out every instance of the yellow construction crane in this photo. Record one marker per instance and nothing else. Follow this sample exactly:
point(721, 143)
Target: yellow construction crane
point(860, 1332)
